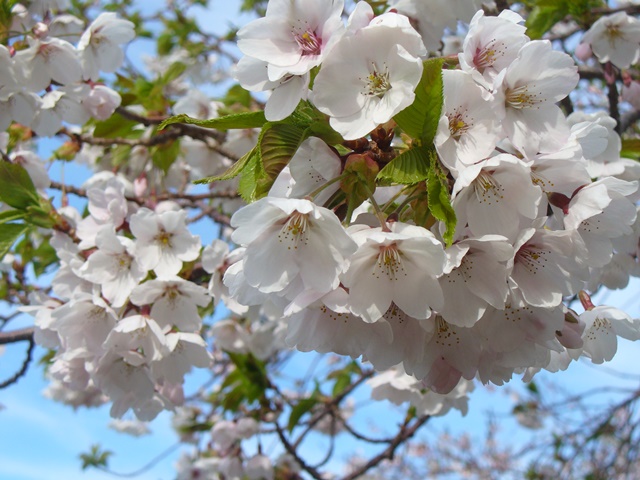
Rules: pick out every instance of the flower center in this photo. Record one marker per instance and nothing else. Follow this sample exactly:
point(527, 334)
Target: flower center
point(308, 42)
point(613, 33)
point(541, 181)
point(531, 258)
point(164, 239)
point(377, 82)
point(488, 54)
point(458, 125)
point(295, 230)
point(446, 336)
point(389, 262)
point(487, 188)
point(520, 97)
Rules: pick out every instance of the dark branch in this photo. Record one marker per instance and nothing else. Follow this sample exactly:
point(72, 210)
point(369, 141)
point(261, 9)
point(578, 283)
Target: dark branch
point(25, 364)
point(404, 434)
point(22, 335)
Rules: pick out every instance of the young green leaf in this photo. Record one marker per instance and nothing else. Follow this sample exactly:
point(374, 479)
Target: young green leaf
point(420, 119)
point(440, 200)
point(9, 233)
point(411, 166)
point(228, 122)
point(16, 188)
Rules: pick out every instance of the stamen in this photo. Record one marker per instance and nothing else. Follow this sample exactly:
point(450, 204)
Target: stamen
point(294, 230)
point(487, 188)
point(377, 82)
point(389, 262)
point(308, 42)
point(521, 97)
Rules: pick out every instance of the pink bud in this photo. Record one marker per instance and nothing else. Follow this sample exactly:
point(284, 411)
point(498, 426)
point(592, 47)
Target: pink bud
point(140, 185)
point(583, 52)
point(585, 300)
point(40, 30)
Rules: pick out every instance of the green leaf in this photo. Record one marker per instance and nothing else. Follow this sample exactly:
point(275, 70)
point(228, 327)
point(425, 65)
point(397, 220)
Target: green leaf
point(251, 174)
point(234, 121)
point(11, 215)
point(95, 458)
point(9, 233)
point(165, 154)
point(542, 18)
point(237, 95)
point(420, 119)
point(174, 71)
point(630, 148)
point(411, 166)
point(302, 407)
point(235, 169)
point(440, 200)
point(43, 257)
point(16, 187)
point(114, 126)
point(277, 145)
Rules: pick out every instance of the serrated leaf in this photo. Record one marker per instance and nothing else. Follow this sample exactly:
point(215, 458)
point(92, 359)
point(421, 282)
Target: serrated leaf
point(16, 187)
point(227, 122)
point(440, 200)
point(411, 166)
point(277, 145)
point(9, 233)
point(251, 173)
point(420, 119)
point(302, 407)
point(235, 169)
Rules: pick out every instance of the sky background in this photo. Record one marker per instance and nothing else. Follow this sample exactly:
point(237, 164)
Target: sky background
point(41, 439)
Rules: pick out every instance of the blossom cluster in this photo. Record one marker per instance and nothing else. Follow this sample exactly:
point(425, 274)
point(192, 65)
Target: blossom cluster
point(45, 80)
point(545, 205)
point(122, 321)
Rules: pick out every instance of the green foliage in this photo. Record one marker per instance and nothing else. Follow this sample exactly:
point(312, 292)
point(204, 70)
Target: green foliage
point(303, 406)
point(16, 188)
point(546, 13)
point(115, 126)
point(165, 154)
point(96, 457)
point(630, 148)
point(277, 143)
point(358, 180)
point(420, 119)
point(343, 377)
point(411, 166)
point(439, 199)
point(9, 233)
point(6, 16)
point(228, 122)
point(246, 384)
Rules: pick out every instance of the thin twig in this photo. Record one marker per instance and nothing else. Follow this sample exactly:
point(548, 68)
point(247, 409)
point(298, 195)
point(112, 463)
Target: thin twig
point(403, 435)
point(293, 452)
point(25, 365)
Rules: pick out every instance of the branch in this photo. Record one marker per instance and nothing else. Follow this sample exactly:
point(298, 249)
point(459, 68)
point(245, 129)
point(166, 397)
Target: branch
point(191, 130)
point(292, 451)
point(403, 435)
point(25, 363)
point(24, 334)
